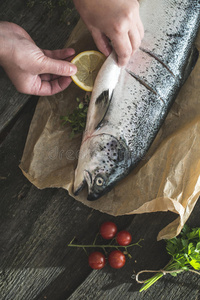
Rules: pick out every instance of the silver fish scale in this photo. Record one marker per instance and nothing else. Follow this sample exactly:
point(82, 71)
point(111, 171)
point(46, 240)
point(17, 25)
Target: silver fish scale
point(179, 18)
point(153, 74)
point(137, 118)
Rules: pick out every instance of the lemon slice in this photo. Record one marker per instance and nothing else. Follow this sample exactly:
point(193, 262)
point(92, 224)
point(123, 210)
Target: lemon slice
point(88, 65)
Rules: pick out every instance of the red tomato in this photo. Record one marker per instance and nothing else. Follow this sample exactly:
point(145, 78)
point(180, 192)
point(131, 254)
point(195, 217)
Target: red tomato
point(116, 259)
point(96, 260)
point(108, 230)
point(123, 238)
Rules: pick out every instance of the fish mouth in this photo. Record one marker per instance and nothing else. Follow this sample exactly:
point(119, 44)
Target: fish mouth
point(87, 180)
point(92, 197)
point(79, 188)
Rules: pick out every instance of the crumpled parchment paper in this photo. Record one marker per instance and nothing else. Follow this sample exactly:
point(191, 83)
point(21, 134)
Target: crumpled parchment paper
point(168, 177)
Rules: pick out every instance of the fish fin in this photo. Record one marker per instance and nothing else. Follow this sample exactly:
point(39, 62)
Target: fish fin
point(102, 104)
point(103, 98)
point(191, 62)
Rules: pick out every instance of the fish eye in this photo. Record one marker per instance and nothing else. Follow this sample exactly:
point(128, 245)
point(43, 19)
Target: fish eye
point(99, 181)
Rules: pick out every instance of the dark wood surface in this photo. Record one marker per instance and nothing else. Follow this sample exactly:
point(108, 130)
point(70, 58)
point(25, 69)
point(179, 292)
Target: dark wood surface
point(36, 225)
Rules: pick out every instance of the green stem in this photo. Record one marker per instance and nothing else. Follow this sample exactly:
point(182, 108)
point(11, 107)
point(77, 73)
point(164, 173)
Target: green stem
point(103, 246)
point(151, 281)
point(85, 251)
point(100, 246)
point(157, 276)
point(95, 238)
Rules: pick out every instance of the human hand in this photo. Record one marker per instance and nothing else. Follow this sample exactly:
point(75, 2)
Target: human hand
point(33, 70)
point(117, 21)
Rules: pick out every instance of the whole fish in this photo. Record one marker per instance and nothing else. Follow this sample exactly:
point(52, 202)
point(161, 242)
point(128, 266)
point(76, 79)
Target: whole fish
point(128, 105)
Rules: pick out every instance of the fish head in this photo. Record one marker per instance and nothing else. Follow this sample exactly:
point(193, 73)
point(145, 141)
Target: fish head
point(103, 160)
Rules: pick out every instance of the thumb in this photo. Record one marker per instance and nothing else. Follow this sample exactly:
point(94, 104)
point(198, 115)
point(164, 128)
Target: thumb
point(58, 67)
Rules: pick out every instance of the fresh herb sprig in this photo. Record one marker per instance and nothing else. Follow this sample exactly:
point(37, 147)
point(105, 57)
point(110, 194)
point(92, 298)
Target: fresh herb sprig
point(77, 119)
point(185, 252)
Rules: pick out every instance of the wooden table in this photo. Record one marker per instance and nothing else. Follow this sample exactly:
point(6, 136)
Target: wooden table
point(36, 225)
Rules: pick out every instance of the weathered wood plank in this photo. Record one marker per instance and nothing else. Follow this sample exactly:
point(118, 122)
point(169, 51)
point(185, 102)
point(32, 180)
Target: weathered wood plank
point(107, 284)
point(35, 228)
point(48, 33)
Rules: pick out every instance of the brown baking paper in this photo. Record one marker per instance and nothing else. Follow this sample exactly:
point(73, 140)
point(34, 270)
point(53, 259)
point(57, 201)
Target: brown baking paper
point(167, 179)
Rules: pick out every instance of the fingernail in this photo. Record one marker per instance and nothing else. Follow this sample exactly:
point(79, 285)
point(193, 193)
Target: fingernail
point(72, 69)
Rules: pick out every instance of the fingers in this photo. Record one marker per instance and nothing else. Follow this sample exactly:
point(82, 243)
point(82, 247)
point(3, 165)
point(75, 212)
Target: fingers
point(48, 88)
point(127, 38)
point(49, 77)
point(56, 67)
point(127, 34)
point(54, 72)
point(60, 53)
point(123, 48)
point(140, 28)
point(126, 44)
point(54, 62)
point(101, 42)
point(135, 40)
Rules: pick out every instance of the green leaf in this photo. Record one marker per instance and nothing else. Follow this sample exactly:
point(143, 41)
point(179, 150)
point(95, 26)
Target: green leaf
point(81, 105)
point(197, 250)
point(172, 246)
point(184, 243)
point(191, 248)
point(185, 230)
point(194, 234)
point(195, 264)
point(174, 274)
point(185, 268)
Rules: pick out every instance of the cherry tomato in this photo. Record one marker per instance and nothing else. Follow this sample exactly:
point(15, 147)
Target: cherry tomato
point(108, 230)
point(116, 259)
point(96, 260)
point(123, 238)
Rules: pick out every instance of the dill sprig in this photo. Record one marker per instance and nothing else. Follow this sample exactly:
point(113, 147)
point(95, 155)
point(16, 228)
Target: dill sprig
point(77, 119)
